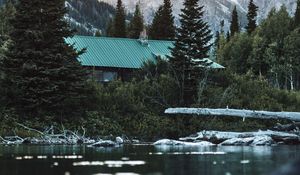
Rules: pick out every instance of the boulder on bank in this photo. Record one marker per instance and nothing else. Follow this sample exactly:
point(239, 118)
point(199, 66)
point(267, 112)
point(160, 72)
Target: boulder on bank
point(168, 142)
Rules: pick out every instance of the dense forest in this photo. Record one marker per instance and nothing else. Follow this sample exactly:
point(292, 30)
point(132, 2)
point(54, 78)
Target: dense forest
point(43, 84)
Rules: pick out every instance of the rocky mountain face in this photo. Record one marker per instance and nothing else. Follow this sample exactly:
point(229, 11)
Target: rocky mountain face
point(88, 16)
point(216, 10)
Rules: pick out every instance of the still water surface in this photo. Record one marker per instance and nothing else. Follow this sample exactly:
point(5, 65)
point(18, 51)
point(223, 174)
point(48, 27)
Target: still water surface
point(143, 160)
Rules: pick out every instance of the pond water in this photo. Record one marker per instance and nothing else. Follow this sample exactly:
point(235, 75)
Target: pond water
point(143, 159)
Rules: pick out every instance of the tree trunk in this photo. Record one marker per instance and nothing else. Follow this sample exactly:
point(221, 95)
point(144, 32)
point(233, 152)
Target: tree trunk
point(294, 116)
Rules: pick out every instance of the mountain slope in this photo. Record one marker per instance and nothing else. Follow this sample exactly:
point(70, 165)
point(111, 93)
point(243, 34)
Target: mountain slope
point(88, 16)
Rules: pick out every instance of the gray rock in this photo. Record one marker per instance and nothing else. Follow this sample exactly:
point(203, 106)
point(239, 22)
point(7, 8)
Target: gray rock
point(169, 142)
point(119, 140)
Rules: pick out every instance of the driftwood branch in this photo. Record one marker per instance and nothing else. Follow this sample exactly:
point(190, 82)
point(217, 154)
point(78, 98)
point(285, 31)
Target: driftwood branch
point(294, 116)
point(30, 129)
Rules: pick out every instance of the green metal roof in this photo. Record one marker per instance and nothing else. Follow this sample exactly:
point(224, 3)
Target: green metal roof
point(120, 52)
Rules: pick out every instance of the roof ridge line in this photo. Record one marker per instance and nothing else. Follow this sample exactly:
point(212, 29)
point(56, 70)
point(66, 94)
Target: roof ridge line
point(115, 38)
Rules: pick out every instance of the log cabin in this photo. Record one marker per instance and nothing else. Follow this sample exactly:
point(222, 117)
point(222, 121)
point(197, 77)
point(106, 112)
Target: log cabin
point(111, 58)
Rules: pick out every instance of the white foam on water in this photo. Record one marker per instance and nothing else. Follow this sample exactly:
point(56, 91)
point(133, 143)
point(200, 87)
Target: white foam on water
point(68, 157)
point(245, 161)
point(190, 153)
point(88, 163)
point(110, 163)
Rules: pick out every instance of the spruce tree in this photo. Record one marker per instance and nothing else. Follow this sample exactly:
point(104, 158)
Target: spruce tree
point(119, 21)
point(110, 28)
point(136, 25)
point(163, 27)
point(42, 73)
point(155, 28)
point(97, 33)
point(251, 16)
point(192, 44)
point(234, 26)
point(297, 15)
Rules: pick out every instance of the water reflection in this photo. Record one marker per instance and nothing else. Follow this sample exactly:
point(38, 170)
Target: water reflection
point(143, 160)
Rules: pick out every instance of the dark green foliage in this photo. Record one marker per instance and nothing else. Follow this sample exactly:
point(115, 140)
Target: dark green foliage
point(136, 25)
point(236, 91)
point(119, 21)
point(162, 27)
point(269, 52)
point(42, 73)
point(251, 16)
point(191, 47)
point(234, 55)
point(234, 25)
point(98, 125)
point(7, 12)
point(297, 15)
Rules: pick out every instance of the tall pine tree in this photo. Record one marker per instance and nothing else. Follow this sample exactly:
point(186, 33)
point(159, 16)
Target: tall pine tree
point(163, 27)
point(110, 30)
point(251, 16)
point(136, 25)
point(297, 15)
point(192, 44)
point(234, 26)
point(42, 73)
point(119, 21)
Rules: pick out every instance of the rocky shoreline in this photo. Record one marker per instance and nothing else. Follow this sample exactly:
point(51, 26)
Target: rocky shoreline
point(203, 138)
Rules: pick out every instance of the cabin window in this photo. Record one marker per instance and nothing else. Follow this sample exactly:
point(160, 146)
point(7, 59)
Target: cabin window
point(103, 76)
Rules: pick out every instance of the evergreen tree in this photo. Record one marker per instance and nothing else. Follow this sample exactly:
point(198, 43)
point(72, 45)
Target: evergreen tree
point(191, 47)
point(234, 26)
point(42, 73)
point(136, 25)
point(155, 28)
point(110, 28)
point(251, 16)
point(97, 33)
point(297, 15)
point(222, 24)
point(119, 21)
point(162, 27)
point(217, 40)
point(227, 36)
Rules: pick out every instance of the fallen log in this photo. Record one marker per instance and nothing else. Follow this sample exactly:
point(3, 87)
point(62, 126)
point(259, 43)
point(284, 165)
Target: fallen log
point(294, 116)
